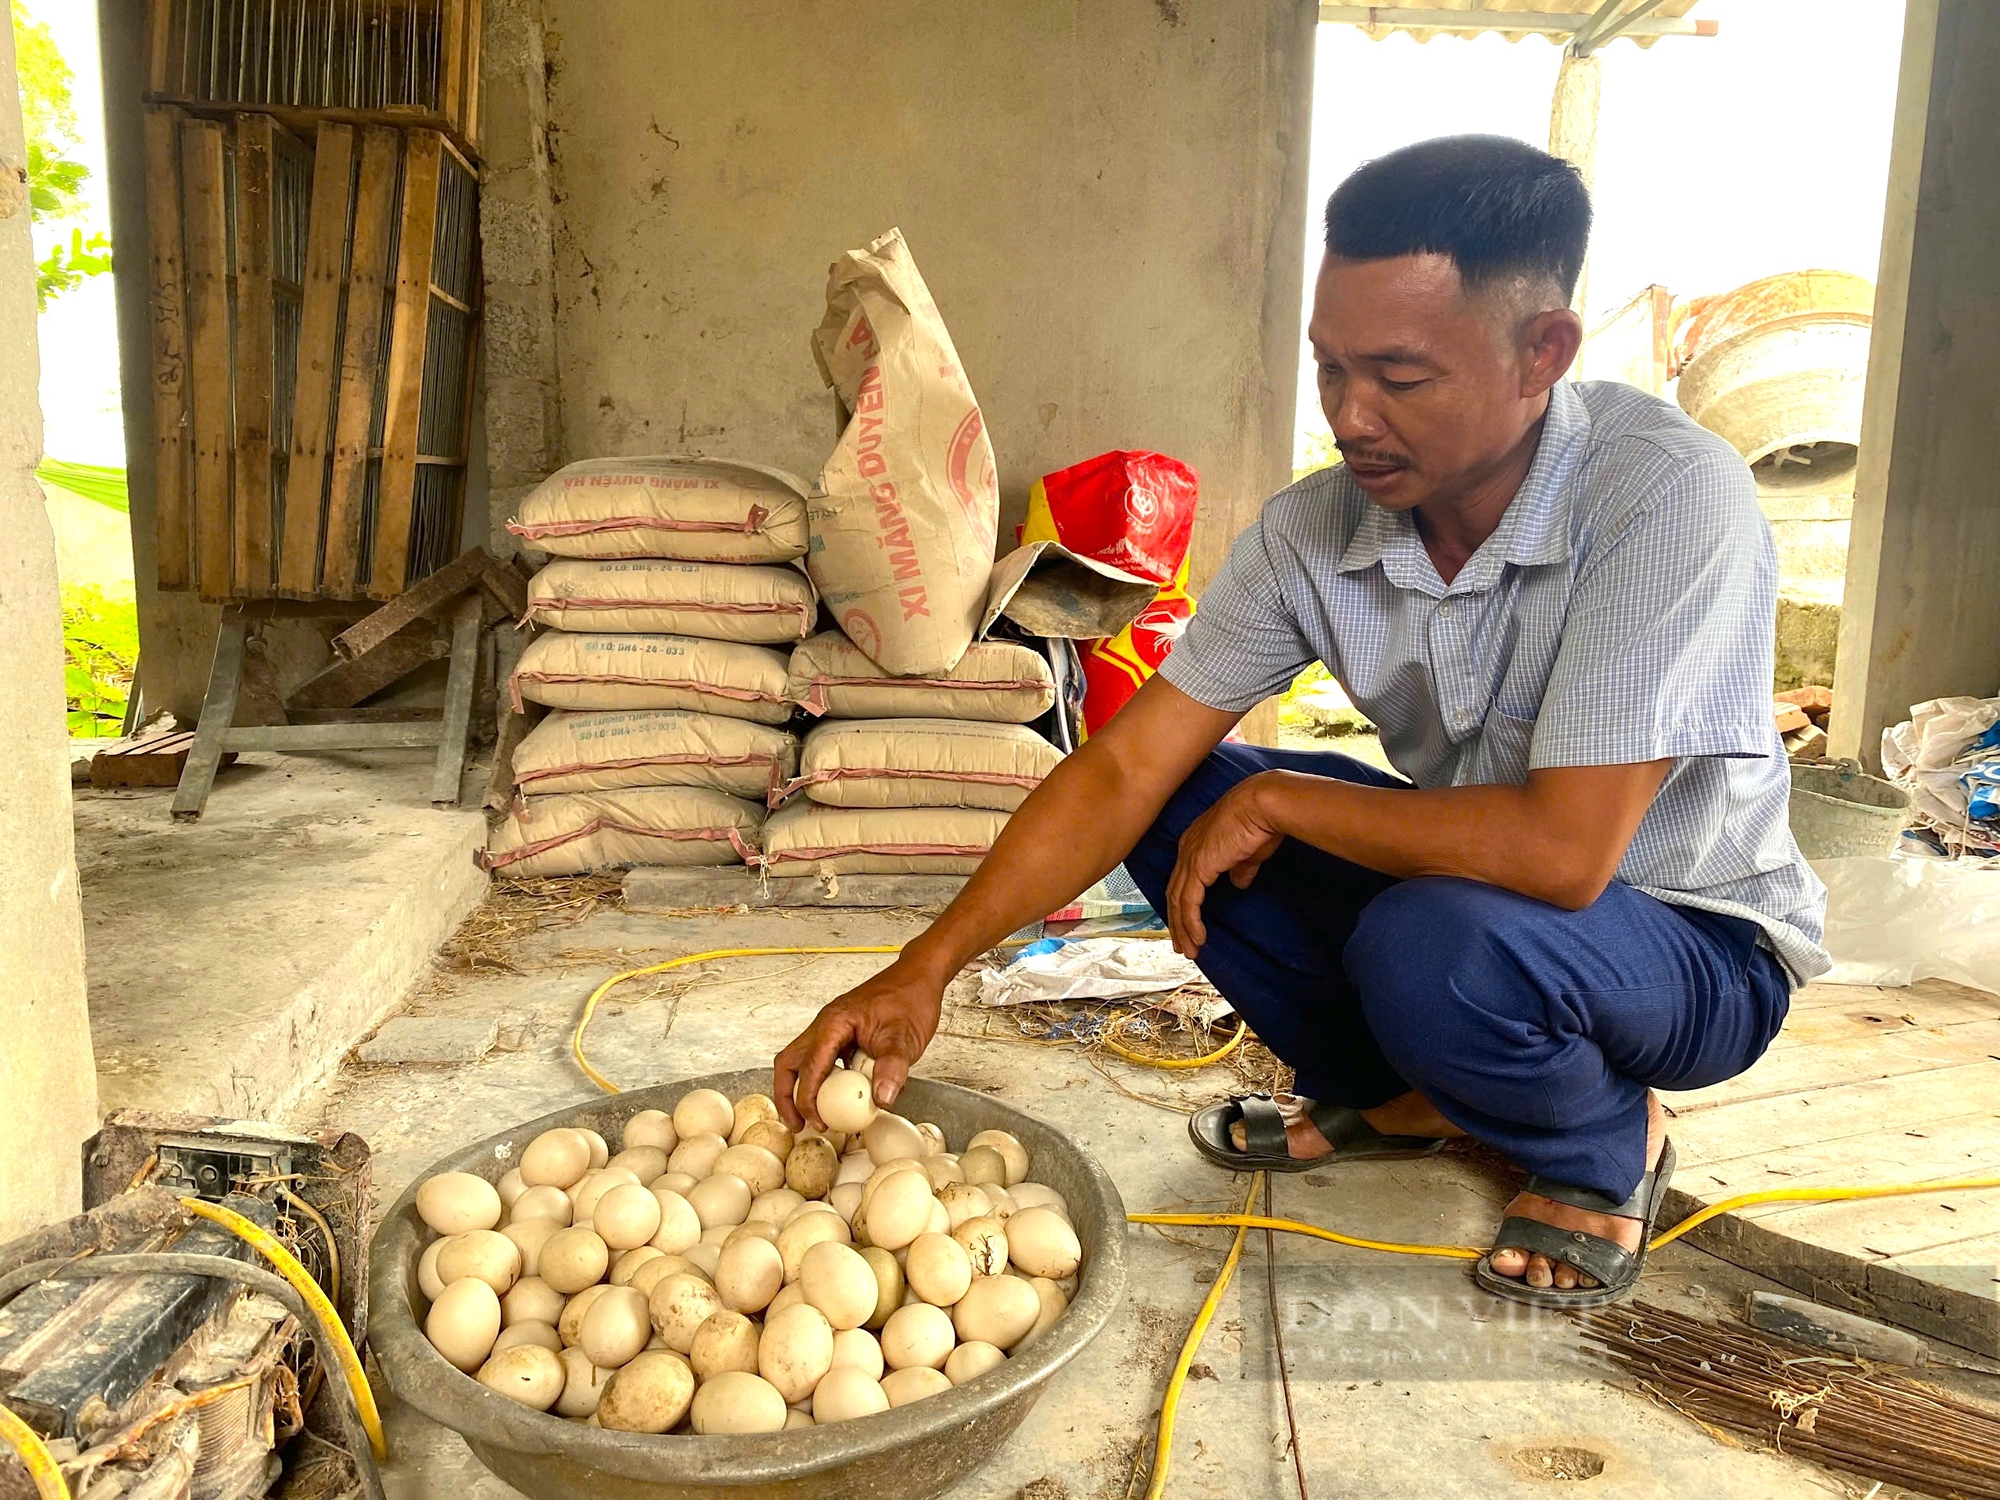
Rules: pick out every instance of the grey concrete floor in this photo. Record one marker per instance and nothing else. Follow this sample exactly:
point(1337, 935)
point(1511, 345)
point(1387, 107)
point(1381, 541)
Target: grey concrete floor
point(233, 960)
point(1405, 1379)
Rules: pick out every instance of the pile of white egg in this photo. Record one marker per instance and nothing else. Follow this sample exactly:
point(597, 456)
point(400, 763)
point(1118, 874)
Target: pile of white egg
point(721, 1274)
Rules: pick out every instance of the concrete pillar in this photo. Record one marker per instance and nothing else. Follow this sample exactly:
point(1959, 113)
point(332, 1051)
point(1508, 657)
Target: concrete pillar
point(48, 1082)
point(1573, 130)
point(1921, 614)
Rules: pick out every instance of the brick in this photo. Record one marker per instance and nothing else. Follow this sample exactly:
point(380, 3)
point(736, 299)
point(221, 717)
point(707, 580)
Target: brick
point(1789, 717)
point(1811, 699)
point(1806, 744)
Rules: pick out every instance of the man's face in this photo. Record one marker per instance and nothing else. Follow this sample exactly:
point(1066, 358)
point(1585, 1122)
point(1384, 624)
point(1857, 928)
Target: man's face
point(1427, 389)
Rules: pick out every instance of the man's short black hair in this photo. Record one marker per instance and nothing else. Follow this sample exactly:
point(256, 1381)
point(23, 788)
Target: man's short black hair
point(1498, 207)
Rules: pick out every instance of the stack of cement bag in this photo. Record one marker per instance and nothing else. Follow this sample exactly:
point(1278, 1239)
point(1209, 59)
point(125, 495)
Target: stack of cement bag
point(908, 775)
point(924, 751)
point(672, 581)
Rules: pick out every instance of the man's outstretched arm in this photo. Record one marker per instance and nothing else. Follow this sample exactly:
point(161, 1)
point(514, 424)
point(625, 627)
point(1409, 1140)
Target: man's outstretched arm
point(1073, 829)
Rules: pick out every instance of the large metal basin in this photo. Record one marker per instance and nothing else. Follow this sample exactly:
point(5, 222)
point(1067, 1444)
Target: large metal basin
point(914, 1451)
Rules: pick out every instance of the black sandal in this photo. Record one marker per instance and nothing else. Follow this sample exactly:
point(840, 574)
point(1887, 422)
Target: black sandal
point(1615, 1268)
point(1352, 1138)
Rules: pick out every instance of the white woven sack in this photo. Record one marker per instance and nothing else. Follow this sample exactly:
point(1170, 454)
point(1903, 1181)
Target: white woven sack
point(658, 596)
point(905, 512)
point(999, 682)
point(696, 509)
point(580, 832)
point(810, 838)
point(652, 671)
point(598, 752)
point(922, 763)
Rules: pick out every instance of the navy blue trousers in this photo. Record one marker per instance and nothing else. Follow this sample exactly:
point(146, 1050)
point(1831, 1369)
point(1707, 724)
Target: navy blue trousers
point(1534, 1029)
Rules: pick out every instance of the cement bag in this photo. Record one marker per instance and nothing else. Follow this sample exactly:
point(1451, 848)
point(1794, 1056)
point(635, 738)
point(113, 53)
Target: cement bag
point(809, 838)
point(655, 596)
point(922, 763)
point(905, 514)
point(696, 509)
point(578, 832)
point(653, 671)
point(1001, 682)
point(601, 752)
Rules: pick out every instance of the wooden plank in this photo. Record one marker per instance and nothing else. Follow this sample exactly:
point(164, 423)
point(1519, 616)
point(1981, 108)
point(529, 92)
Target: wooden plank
point(1954, 1297)
point(1848, 1111)
point(1928, 1001)
point(155, 761)
point(172, 508)
point(250, 572)
point(1944, 1149)
point(349, 680)
point(319, 358)
point(426, 599)
point(407, 347)
point(475, 24)
point(361, 359)
point(159, 31)
point(208, 345)
point(450, 770)
point(451, 59)
point(1911, 1049)
point(304, 120)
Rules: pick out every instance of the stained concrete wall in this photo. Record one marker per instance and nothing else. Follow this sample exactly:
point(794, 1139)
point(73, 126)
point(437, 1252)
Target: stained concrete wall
point(48, 1085)
point(1105, 196)
point(1921, 613)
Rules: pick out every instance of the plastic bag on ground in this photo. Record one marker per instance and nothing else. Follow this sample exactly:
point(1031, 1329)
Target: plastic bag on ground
point(1892, 919)
point(1094, 969)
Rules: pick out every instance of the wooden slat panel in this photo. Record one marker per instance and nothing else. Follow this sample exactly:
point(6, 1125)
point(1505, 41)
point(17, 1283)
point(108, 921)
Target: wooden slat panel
point(172, 512)
point(361, 358)
point(208, 347)
point(250, 573)
point(319, 324)
point(421, 165)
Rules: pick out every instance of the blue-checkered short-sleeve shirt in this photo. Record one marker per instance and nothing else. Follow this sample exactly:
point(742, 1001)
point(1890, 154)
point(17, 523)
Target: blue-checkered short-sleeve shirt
point(1623, 611)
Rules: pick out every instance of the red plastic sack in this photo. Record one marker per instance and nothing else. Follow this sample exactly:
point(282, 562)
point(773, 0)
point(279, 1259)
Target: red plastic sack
point(1115, 668)
point(1130, 511)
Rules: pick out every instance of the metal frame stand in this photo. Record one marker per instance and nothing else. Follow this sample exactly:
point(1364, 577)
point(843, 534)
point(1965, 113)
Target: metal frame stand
point(216, 734)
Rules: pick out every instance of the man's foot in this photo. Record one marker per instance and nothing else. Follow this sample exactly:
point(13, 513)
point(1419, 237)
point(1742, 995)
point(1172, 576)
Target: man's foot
point(1537, 1270)
point(1408, 1114)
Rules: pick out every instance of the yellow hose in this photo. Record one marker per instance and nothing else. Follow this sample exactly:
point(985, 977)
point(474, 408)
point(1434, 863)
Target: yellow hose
point(1247, 1220)
point(590, 1005)
point(1172, 1064)
point(329, 1319)
point(42, 1470)
point(1170, 1404)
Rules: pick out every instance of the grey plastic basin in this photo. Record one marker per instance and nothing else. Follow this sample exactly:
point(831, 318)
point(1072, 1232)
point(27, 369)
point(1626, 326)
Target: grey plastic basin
point(913, 1451)
point(1839, 810)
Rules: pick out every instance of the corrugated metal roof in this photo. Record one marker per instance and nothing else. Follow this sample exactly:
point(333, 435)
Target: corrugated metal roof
point(1497, 10)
